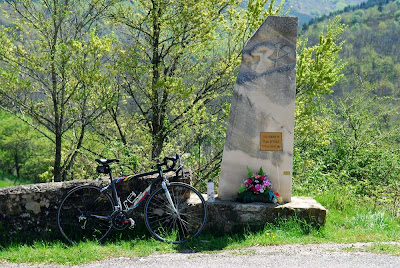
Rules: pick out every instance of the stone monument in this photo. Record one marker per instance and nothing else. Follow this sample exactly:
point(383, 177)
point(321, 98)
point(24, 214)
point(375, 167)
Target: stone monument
point(261, 122)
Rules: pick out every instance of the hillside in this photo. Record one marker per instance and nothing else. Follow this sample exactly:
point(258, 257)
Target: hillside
point(307, 9)
point(304, 9)
point(371, 47)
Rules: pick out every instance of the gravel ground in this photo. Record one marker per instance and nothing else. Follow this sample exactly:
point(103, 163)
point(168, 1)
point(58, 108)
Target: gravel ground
point(286, 256)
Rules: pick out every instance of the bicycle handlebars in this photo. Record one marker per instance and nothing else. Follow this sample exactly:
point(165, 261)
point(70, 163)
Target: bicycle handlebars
point(171, 166)
point(168, 162)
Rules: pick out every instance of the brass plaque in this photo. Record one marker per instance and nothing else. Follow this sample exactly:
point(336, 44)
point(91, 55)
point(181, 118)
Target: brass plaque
point(286, 173)
point(271, 141)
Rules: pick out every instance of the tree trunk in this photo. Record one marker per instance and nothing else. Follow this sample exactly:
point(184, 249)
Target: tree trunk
point(17, 167)
point(157, 121)
point(54, 94)
point(57, 159)
point(157, 146)
point(71, 161)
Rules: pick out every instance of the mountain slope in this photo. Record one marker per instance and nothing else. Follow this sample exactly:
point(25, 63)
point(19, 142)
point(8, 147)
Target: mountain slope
point(308, 9)
point(371, 47)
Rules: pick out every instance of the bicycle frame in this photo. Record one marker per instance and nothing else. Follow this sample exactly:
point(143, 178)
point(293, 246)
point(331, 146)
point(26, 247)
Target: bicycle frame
point(142, 195)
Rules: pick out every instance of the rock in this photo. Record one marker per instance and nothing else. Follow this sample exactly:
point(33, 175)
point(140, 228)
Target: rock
point(228, 216)
point(306, 208)
point(263, 102)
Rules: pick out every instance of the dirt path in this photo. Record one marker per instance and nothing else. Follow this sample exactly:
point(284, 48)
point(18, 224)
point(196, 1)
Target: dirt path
point(286, 256)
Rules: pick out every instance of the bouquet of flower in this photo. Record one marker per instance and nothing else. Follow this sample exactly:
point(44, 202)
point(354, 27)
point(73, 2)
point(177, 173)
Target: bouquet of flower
point(257, 187)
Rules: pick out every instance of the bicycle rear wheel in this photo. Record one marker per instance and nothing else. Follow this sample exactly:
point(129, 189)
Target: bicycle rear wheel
point(180, 226)
point(85, 214)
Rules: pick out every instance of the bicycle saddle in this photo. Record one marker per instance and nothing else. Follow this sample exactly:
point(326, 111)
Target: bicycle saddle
point(103, 161)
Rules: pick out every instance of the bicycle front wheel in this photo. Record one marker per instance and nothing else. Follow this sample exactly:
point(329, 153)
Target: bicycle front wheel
point(85, 214)
point(177, 225)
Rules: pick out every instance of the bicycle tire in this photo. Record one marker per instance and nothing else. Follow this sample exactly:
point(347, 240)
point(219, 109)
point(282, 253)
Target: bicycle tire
point(167, 226)
point(85, 214)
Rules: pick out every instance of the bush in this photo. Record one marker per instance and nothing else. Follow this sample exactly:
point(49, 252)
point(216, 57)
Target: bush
point(361, 158)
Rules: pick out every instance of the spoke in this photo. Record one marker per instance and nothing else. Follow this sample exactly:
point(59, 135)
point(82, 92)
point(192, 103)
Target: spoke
point(176, 228)
point(164, 219)
point(160, 200)
point(164, 203)
point(182, 228)
point(162, 224)
point(174, 199)
point(193, 216)
point(155, 215)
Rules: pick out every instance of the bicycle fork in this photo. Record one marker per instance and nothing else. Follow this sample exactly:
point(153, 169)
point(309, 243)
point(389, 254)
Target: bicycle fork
point(168, 195)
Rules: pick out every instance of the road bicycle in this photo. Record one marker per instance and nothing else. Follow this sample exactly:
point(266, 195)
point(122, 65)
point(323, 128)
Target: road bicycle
point(175, 212)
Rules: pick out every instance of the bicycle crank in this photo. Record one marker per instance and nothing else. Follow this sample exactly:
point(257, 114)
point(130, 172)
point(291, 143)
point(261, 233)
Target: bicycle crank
point(121, 221)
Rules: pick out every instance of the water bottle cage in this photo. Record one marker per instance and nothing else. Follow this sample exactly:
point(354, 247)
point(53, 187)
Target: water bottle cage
point(131, 197)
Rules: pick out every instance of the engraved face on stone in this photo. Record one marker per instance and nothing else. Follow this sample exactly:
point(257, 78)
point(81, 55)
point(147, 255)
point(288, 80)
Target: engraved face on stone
point(260, 58)
point(266, 58)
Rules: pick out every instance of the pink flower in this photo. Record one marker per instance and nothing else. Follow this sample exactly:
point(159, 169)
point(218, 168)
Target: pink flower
point(249, 180)
point(258, 187)
point(257, 176)
point(267, 183)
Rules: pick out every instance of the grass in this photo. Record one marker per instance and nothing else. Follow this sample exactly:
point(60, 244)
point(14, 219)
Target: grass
point(57, 252)
point(384, 249)
point(8, 180)
point(348, 221)
point(6, 183)
point(378, 248)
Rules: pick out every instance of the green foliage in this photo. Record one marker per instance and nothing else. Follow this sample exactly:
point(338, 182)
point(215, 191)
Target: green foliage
point(318, 69)
point(359, 156)
point(371, 47)
point(23, 151)
point(54, 70)
point(350, 145)
point(242, 189)
point(261, 172)
point(249, 173)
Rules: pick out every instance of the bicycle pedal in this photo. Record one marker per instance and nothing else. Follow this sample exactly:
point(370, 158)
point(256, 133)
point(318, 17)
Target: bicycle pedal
point(132, 223)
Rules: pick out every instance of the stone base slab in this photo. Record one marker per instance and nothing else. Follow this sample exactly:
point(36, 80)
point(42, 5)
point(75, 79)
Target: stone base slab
point(228, 216)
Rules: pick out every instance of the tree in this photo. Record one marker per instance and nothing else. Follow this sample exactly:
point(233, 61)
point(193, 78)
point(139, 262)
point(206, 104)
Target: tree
point(53, 69)
point(21, 149)
point(179, 61)
point(318, 69)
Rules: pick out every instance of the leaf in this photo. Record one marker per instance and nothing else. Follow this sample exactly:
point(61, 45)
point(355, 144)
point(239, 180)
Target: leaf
point(261, 172)
point(242, 189)
point(249, 172)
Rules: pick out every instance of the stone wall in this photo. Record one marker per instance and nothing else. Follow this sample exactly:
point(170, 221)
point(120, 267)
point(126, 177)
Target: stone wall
point(28, 211)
